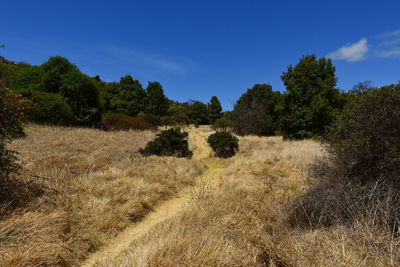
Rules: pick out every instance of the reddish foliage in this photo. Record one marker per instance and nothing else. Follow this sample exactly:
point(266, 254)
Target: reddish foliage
point(118, 122)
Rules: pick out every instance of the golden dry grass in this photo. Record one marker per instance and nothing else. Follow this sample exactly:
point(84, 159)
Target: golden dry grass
point(244, 221)
point(98, 184)
point(237, 218)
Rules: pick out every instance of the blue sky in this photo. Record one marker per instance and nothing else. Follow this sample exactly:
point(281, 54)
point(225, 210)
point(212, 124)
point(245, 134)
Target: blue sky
point(197, 49)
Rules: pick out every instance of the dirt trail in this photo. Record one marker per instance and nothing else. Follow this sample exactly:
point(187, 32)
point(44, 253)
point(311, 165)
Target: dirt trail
point(167, 209)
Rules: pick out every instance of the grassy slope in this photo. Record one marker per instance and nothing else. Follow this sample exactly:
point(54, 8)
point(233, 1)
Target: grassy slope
point(244, 221)
point(98, 184)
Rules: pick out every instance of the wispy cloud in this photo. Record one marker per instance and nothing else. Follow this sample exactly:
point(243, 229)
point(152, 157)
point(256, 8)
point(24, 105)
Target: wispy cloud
point(351, 52)
point(389, 34)
point(389, 44)
point(393, 52)
point(144, 60)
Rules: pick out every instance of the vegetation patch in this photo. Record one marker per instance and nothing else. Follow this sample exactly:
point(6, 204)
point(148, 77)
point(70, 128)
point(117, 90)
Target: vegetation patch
point(122, 122)
point(224, 144)
point(171, 142)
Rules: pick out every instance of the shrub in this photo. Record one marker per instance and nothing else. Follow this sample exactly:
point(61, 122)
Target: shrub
point(11, 113)
point(29, 77)
point(222, 124)
point(182, 119)
point(361, 169)
point(171, 142)
point(120, 121)
point(255, 112)
point(154, 119)
point(47, 108)
point(224, 144)
point(168, 120)
point(82, 95)
point(364, 141)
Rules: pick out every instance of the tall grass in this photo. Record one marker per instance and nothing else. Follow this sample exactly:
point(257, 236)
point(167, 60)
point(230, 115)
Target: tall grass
point(95, 184)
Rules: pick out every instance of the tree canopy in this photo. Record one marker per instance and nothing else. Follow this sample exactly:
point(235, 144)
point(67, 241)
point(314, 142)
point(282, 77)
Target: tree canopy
point(311, 101)
point(214, 109)
point(255, 111)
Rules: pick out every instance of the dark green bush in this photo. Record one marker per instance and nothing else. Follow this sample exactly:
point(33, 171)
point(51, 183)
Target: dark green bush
point(222, 124)
point(182, 119)
point(168, 120)
point(47, 108)
point(364, 141)
point(361, 169)
point(154, 119)
point(120, 121)
point(29, 77)
point(11, 113)
point(171, 142)
point(81, 94)
point(224, 144)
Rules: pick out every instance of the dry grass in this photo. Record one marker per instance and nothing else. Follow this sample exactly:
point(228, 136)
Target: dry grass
point(241, 219)
point(245, 221)
point(230, 225)
point(96, 184)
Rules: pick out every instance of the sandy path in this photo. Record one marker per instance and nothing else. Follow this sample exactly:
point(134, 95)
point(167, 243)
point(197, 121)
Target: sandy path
point(167, 209)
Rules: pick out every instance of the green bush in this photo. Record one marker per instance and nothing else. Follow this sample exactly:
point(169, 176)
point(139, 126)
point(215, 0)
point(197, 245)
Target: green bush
point(120, 121)
point(154, 119)
point(222, 124)
point(11, 113)
point(82, 95)
point(224, 144)
point(182, 119)
point(364, 141)
point(29, 77)
point(171, 142)
point(47, 108)
point(168, 120)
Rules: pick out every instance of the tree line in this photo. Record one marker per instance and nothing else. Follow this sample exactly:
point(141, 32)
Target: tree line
point(61, 94)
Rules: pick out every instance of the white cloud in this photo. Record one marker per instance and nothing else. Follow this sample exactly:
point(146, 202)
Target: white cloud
point(389, 53)
point(389, 34)
point(352, 52)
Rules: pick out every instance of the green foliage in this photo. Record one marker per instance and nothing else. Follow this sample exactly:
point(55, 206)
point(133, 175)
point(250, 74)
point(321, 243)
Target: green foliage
point(214, 109)
point(82, 95)
point(171, 142)
point(47, 108)
point(222, 124)
point(7, 72)
point(256, 111)
point(119, 121)
point(11, 114)
point(364, 141)
point(29, 77)
point(311, 101)
point(131, 99)
point(224, 144)
point(198, 113)
point(157, 102)
point(154, 119)
point(54, 70)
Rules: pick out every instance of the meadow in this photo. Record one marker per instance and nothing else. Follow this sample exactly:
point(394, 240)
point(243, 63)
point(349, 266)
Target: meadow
point(168, 211)
point(91, 185)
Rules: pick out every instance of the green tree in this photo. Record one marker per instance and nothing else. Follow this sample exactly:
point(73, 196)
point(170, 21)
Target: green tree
point(131, 98)
point(255, 111)
point(198, 113)
point(82, 95)
point(47, 108)
point(29, 77)
point(54, 69)
point(157, 102)
point(214, 109)
point(311, 101)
